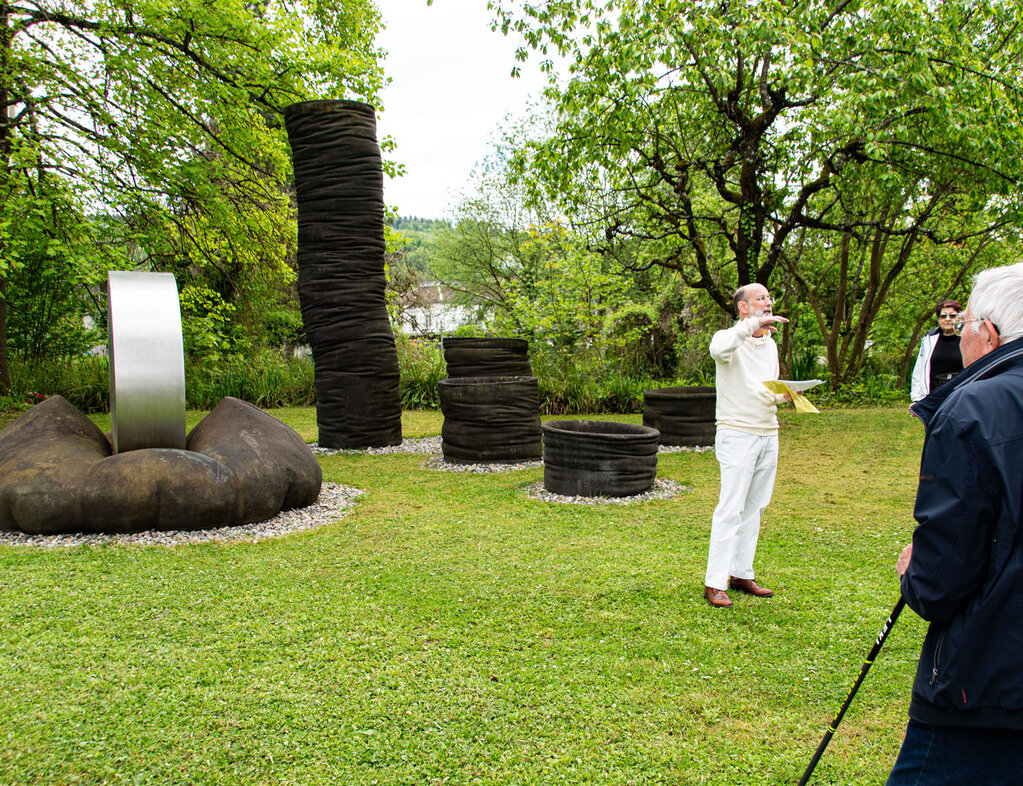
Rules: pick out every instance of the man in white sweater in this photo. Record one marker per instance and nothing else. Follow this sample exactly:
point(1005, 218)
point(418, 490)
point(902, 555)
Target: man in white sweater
point(746, 443)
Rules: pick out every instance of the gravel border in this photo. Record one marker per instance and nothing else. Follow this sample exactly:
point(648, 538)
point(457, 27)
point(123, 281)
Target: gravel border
point(685, 449)
point(433, 446)
point(332, 504)
point(422, 445)
point(438, 463)
point(662, 489)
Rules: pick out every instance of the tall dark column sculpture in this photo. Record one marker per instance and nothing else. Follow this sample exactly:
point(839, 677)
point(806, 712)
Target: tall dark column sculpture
point(339, 182)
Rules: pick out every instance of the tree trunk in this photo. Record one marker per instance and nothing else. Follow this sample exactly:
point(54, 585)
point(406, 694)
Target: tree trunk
point(5, 370)
point(5, 163)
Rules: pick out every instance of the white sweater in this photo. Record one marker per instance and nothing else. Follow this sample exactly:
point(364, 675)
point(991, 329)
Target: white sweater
point(742, 362)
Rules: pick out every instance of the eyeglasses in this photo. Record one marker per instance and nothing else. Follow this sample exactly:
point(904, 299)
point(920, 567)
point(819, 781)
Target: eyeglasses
point(959, 324)
point(953, 315)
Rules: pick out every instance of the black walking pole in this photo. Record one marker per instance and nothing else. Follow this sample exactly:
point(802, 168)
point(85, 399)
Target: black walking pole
point(848, 699)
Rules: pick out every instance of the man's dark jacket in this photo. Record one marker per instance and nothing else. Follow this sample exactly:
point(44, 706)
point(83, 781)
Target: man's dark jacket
point(966, 574)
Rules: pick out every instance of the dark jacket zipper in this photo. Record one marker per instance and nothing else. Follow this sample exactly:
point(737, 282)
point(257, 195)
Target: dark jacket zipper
point(937, 656)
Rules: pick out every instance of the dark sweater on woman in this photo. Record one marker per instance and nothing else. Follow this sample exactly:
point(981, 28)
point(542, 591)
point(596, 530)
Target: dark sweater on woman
point(946, 361)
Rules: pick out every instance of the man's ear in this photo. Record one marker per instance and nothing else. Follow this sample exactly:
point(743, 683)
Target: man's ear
point(994, 340)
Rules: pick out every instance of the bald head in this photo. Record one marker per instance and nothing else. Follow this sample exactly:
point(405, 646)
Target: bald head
point(750, 299)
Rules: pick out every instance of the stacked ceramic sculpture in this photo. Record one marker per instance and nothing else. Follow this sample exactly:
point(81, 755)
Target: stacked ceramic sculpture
point(491, 402)
point(341, 281)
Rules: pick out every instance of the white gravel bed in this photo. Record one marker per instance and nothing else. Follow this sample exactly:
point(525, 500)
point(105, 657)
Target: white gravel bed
point(432, 446)
point(684, 449)
point(438, 462)
point(331, 505)
point(662, 489)
point(423, 445)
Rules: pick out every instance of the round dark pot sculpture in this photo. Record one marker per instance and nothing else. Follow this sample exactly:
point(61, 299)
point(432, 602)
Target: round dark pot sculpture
point(590, 458)
point(490, 420)
point(339, 184)
point(685, 416)
point(487, 357)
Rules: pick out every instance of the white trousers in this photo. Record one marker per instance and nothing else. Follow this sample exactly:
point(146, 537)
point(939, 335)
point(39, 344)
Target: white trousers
point(748, 466)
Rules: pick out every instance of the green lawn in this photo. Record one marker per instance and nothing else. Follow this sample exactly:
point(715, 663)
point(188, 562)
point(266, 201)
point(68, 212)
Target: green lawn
point(451, 630)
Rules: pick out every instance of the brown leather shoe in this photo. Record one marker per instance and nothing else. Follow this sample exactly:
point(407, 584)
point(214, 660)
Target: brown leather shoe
point(717, 598)
point(749, 586)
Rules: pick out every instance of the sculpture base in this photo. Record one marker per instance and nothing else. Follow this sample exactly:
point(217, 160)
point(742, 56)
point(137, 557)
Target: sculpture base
point(58, 474)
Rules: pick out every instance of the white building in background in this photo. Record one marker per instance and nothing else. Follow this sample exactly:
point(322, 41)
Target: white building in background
point(428, 310)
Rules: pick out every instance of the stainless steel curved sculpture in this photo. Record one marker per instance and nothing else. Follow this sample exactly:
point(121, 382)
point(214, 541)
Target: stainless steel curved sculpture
point(147, 362)
point(59, 473)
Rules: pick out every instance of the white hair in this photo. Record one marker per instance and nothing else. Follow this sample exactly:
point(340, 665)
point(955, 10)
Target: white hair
point(998, 295)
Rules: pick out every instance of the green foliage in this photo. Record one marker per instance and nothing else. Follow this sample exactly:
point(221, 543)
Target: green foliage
point(205, 323)
point(51, 261)
point(870, 389)
point(805, 364)
point(564, 299)
point(419, 237)
point(583, 387)
point(83, 381)
point(717, 133)
point(266, 379)
point(850, 153)
point(422, 366)
point(164, 122)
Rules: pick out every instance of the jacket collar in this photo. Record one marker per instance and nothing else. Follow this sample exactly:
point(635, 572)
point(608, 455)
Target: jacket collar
point(989, 365)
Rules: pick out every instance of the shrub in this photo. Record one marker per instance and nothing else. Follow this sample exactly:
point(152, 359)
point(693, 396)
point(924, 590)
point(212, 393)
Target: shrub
point(83, 381)
point(422, 366)
point(265, 378)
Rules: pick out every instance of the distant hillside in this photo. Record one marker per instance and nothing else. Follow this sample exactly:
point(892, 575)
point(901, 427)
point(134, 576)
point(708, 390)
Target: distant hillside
point(422, 234)
point(405, 224)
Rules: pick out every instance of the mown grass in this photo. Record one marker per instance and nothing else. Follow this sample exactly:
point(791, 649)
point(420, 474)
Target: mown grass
point(451, 630)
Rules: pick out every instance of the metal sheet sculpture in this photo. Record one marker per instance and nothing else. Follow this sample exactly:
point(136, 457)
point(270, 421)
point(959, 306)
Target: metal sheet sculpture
point(59, 473)
point(147, 362)
point(339, 186)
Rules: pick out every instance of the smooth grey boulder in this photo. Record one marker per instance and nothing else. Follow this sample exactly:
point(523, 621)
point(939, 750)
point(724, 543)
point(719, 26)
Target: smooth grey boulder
point(241, 465)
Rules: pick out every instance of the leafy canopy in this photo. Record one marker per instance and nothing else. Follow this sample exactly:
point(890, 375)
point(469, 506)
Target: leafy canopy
point(716, 131)
point(161, 122)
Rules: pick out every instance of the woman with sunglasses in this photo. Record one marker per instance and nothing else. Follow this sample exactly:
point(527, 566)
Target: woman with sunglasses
point(939, 359)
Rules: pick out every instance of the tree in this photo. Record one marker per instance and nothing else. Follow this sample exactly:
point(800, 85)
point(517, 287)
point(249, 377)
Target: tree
point(163, 122)
point(526, 273)
point(727, 136)
point(849, 279)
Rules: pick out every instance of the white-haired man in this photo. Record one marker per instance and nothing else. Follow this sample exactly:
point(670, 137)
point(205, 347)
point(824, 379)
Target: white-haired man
point(746, 443)
point(963, 571)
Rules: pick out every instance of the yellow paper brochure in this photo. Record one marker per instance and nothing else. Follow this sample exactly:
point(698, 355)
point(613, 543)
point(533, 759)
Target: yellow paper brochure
point(794, 389)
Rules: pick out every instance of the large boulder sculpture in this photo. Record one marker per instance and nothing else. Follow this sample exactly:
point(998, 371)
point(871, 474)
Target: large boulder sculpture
point(339, 184)
point(58, 474)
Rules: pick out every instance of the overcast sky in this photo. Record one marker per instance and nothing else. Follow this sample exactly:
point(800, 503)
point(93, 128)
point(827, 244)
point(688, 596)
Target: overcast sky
point(449, 93)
